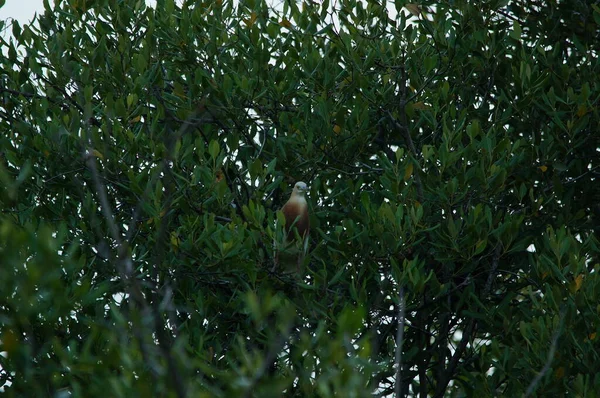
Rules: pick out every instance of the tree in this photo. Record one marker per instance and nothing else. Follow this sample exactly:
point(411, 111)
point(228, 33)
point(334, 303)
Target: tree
point(452, 156)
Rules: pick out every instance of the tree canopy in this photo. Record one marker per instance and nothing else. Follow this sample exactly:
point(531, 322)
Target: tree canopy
point(452, 150)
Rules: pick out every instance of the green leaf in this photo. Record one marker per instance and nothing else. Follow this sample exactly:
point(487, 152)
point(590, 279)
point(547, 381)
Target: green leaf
point(214, 149)
point(255, 169)
point(515, 33)
point(480, 246)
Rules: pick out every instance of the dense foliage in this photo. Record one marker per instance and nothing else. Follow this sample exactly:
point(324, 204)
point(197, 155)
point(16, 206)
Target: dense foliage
point(452, 151)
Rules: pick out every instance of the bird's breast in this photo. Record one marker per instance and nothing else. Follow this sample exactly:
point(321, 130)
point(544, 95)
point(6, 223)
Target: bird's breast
point(296, 211)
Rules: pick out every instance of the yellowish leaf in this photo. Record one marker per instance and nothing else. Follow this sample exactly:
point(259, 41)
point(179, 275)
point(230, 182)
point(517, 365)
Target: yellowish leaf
point(408, 171)
point(543, 168)
point(413, 8)
point(592, 336)
point(250, 21)
point(174, 241)
point(178, 91)
point(220, 175)
point(420, 106)
point(285, 23)
point(337, 129)
point(578, 281)
point(135, 119)
point(97, 154)
point(10, 341)
point(582, 110)
point(559, 373)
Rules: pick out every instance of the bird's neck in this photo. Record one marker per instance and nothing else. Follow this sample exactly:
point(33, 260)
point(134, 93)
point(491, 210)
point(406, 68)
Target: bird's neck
point(298, 200)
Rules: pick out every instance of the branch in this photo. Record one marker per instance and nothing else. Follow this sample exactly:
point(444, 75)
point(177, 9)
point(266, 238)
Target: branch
point(441, 387)
point(269, 359)
point(546, 367)
point(446, 375)
point(125, 266)
point(104, 204)
point(412, 149)
point(492, 275)
point(399, 342)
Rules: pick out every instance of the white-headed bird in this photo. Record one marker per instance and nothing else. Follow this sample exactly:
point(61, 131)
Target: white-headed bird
point(297, 227)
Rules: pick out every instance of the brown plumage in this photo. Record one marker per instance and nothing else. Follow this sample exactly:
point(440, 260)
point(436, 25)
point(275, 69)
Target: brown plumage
point(295, 211)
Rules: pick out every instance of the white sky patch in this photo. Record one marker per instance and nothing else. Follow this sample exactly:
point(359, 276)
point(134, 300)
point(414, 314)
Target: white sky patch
point(22, 11)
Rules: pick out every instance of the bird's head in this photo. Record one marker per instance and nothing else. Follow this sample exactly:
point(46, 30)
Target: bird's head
point(300, 188)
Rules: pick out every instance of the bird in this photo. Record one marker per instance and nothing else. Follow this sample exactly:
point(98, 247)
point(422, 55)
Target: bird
point(297, 227)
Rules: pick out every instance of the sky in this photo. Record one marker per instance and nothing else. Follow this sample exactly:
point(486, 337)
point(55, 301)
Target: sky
point(21, 10)
point(24, 10)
